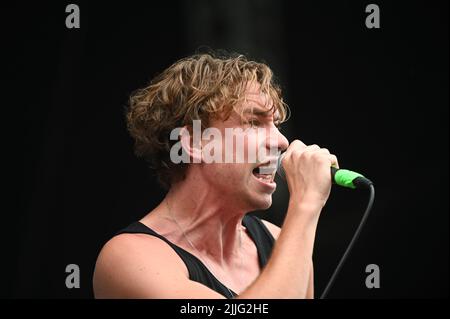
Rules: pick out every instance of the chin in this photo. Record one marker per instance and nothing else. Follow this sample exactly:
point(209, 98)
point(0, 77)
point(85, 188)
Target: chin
point(261, 202)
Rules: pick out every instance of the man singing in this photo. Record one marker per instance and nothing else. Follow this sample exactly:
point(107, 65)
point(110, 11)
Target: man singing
point(199, 241)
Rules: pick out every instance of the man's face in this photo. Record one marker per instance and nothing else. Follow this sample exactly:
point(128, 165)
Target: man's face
point(250, 183)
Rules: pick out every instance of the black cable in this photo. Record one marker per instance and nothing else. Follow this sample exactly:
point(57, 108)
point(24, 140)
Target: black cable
point(352, 242)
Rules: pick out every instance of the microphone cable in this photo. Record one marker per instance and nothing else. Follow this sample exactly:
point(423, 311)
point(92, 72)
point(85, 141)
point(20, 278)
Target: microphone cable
point(352, 242)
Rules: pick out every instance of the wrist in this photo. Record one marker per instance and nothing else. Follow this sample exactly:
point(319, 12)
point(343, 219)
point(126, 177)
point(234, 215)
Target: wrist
point(310, 201)
point(308, 195)
point(306, 209)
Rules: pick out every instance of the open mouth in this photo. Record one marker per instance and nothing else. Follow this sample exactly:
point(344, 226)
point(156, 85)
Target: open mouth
point(265, 173)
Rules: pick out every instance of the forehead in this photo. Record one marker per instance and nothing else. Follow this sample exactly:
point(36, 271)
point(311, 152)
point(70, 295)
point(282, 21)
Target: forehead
point(257, 102)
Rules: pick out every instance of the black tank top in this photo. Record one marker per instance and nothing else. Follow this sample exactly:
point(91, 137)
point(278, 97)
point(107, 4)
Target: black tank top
point(198, 272)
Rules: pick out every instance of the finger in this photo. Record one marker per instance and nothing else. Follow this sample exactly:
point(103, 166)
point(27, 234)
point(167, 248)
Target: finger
point(334, 160)
point(297, 146)
point(324, 153)
point(313, 147)
point(321, 151)
point(310, 150)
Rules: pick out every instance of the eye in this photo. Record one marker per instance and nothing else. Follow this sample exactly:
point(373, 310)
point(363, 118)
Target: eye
point(254, 123)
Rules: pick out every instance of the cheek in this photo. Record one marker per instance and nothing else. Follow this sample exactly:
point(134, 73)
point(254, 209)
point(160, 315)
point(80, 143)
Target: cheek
point(251, 144)
point(230, 176)
point(255, 144)
point(224, 173)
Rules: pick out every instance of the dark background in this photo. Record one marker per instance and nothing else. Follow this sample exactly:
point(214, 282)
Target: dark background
point(377, 98)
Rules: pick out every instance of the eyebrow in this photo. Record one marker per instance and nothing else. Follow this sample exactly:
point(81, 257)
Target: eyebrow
point(259, 112)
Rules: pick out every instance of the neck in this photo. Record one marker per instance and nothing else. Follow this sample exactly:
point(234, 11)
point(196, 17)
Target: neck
point(209, 221)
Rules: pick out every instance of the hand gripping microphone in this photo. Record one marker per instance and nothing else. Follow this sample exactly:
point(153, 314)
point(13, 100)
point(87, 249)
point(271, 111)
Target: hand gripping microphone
point(342, 177)
point(349, 179)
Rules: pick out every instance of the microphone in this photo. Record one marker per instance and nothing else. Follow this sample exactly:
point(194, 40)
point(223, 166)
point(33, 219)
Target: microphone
point(341, 177)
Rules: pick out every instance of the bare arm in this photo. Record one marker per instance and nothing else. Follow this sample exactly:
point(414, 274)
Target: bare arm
point(275, 231)
point(310, 292)
point(287, 273)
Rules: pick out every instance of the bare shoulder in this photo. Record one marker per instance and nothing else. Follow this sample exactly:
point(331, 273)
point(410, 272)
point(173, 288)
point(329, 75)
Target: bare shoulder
point(143, 266)
point(132, 265)
point(274, 229)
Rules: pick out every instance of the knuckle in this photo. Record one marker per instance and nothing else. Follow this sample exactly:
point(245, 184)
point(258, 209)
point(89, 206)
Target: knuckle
point(306, 155)
point(323, 161)
point(296, 143)
point(295, 152)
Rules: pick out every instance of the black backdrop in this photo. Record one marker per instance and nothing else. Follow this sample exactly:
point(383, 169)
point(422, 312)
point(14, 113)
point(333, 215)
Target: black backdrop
point(376, 98)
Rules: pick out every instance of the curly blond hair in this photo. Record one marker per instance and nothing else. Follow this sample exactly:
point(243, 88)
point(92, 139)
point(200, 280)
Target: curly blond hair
point(199, 87)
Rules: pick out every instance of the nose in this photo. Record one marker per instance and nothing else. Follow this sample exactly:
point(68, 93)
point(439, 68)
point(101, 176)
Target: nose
point(283, 142)
point(277, 140)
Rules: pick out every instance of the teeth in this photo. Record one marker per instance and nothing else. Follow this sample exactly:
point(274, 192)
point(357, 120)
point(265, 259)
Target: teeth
point(270, 170)
point(265, 173)
point(265, 177)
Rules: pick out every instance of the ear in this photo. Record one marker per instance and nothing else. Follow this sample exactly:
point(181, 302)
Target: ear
point(191, 144)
